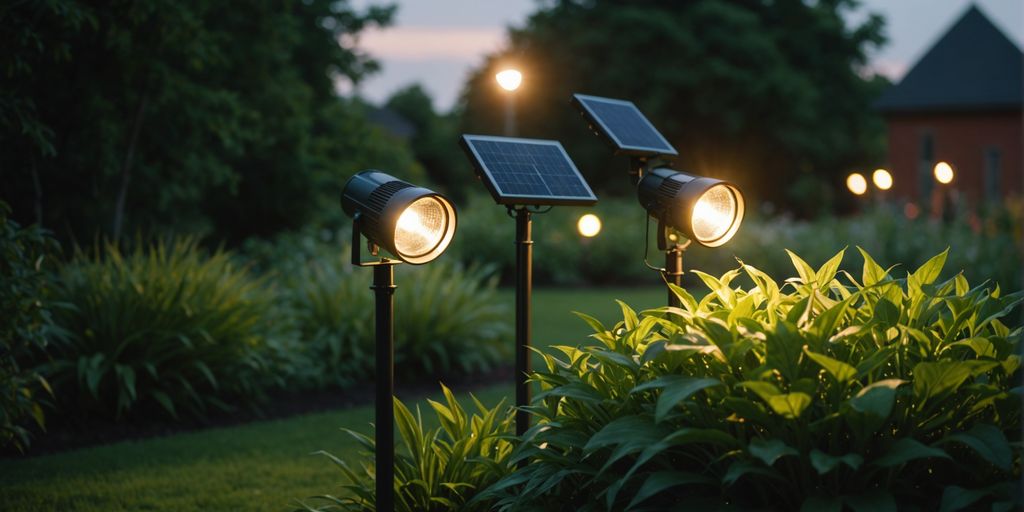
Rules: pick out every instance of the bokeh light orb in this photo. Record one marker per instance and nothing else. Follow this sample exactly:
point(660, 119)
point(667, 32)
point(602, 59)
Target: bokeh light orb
point(589, 225)
point(882, 179)
point(857, 183)
point(943, 173)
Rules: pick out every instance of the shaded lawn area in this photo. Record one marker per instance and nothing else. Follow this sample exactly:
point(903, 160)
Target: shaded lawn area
point(261, 466)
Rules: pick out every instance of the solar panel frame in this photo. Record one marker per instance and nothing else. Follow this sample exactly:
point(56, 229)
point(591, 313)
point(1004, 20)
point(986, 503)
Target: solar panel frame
point(492, 178)
point(584, 103)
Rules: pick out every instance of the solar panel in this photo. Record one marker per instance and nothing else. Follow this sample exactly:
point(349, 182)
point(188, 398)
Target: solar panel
point(623, 125)
point(527, 171)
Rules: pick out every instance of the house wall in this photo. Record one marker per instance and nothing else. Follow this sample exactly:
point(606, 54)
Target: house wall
point(965, 141)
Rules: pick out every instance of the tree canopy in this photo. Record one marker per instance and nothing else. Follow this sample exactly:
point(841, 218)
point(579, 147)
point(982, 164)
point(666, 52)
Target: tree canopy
point(769, 94)
point(197, 115)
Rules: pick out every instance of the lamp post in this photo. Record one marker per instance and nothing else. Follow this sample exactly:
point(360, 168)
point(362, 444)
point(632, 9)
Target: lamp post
point(510, 80)
point(416, 225)
point(941, 195)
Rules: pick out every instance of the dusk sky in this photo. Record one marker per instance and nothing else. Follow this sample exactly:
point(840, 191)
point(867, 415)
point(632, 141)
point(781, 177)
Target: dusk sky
point(437, 42)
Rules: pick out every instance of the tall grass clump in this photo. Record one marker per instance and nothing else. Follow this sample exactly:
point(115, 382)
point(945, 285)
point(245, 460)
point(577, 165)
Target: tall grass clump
point(447, 319)
point(162, 326)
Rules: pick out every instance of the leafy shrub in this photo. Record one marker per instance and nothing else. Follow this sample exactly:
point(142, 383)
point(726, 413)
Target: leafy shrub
point(448, 316)
point(442, 469)
point(161, 325)
point(874, 393)
point(24, 326)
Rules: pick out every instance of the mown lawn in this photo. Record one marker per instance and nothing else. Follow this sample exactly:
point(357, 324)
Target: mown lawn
point(259, 466)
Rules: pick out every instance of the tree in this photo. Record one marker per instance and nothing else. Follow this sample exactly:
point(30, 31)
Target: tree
point(184, 115)
point(768, 94)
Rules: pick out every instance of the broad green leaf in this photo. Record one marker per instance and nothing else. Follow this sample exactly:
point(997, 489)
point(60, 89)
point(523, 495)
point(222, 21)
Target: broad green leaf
point(827, 272)
point(956, 498)
point(929, 272)
point(886, 313)
point(980, 346)
point(765, 390)
point(746, 467)
point(661, 480)
point(905, 450)
point(937, 379)
point(770, 450)
point(824, 462)
point(804, 270)
point(990, 443)
point(628, 315)
point(679, 391)
point(618, 431)
point(790, 405)
point(839, 370)
point(873, 272)
point(594, 323)
point(877, 399)
point(684, 296)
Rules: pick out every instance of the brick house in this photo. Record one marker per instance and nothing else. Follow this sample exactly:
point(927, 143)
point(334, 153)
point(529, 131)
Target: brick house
point(961, 104)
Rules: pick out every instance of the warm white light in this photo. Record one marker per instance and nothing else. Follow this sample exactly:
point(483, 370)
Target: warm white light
point(509, 79)
point(714, 214)
point(589, 225)
point(943, 173)
point(882, 179)
point(421, 227)
point(857, 183)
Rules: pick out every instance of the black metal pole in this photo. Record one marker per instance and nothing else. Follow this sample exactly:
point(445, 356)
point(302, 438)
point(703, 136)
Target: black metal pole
point(674, 272)
point(384, 292)
point(524, 289)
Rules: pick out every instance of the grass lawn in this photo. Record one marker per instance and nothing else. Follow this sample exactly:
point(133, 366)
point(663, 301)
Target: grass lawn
point(259, 466)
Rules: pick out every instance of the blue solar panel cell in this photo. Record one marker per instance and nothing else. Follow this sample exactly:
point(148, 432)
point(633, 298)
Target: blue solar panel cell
point(624, 126)
point(527, 171)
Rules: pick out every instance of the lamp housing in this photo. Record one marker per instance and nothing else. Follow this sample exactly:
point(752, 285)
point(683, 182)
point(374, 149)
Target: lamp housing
point(706, 210)
point(413, 223)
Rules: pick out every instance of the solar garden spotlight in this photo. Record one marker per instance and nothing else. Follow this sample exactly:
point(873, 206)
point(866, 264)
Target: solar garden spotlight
point(415, 225)
point(706, 210)
point(412, 223)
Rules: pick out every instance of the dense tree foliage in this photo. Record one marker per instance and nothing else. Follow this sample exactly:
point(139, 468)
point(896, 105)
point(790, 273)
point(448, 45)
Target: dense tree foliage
point(191, 115)
point(762, 92)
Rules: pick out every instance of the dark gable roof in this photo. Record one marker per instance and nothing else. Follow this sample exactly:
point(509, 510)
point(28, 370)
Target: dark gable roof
point(973, 67)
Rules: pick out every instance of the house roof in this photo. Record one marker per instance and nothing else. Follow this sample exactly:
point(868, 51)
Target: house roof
point(974, 66)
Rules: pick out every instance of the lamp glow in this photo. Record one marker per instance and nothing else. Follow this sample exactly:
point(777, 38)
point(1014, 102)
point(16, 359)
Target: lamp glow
point(943, 173)
point(509, 79)
point(882, 179)
point(706, 210)
point(857, 183)
point(413, 223)
point(589, 225)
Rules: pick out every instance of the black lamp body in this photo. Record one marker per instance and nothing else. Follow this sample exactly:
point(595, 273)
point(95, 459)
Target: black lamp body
point(379, 199)
point(670, 197)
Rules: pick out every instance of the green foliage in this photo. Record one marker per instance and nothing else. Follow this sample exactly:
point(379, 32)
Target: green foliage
point(161, 327)
point(24, 326)
point(183, 115)
point(447, 317)
point(874, 391)
point(441, 469)
point(760, 93)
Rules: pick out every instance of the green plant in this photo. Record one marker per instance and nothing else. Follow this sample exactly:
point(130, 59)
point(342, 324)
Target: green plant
point(871, 393)
point(442, 469)
point(162, 325)
point(447, 316)
point(24, 326)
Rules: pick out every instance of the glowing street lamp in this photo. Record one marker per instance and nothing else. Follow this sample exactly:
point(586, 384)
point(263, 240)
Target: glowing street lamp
point(857, 183)
point(415, 225)
point(943, 173)
point(589, 225)
point(882, 179)
point(510, 80)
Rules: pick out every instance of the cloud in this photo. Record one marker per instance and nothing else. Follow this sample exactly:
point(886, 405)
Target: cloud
point(418, 43)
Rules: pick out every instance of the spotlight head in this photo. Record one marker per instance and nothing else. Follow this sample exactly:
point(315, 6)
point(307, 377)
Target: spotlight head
point(706, 210)
point(413, 223)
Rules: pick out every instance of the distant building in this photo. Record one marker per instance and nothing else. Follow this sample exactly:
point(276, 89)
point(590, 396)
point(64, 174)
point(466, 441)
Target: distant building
point(962, 104)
